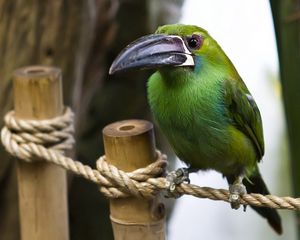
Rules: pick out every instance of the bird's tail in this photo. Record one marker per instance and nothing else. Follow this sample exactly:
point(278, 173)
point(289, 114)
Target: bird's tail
point(257, 185)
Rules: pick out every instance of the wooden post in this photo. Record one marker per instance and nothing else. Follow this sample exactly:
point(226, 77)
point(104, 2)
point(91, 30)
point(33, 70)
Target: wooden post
point(42, 186)
point(130, 145)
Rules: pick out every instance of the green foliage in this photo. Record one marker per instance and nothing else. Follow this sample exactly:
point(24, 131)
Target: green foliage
point(287, 26)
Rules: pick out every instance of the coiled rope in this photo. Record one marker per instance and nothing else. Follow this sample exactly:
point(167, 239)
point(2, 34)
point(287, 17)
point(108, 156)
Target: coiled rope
point(45, 140)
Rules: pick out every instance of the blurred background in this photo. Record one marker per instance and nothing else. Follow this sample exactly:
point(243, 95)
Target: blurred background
point(261, 37)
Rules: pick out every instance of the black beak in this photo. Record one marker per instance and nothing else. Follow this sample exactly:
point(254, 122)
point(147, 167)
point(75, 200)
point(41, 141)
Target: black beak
point(153, 51)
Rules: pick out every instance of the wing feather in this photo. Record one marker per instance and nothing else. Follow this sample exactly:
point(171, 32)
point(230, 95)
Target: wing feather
point(244, 113)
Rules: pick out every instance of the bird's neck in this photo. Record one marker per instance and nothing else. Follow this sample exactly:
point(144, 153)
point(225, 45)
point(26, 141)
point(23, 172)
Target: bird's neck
point(180, 91)
point(177, 77)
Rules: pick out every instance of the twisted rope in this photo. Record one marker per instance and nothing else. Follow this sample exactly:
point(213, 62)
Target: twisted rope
point(46, 140)
point(22, 137)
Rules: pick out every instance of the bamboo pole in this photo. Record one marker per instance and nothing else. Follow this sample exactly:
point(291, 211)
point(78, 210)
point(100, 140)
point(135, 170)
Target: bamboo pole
point(130, 145)
point(42, 186)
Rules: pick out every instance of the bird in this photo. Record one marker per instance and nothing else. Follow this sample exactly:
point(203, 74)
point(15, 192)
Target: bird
point(203, 107)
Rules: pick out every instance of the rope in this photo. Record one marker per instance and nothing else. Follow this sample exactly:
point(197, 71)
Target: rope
point(45, 140)
point(21, 137)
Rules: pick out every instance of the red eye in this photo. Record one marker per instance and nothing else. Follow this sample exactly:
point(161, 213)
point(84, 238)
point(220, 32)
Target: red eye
point(194, 42)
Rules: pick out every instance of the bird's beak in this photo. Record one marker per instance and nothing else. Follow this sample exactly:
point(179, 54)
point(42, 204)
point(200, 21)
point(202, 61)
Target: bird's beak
point(153, 51)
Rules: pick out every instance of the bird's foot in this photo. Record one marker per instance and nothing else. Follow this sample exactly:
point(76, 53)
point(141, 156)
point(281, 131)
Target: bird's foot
point(174, 178)
point(236, 190)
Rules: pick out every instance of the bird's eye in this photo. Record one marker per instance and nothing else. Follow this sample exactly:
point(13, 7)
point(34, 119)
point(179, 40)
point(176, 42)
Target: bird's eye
point(195, 41)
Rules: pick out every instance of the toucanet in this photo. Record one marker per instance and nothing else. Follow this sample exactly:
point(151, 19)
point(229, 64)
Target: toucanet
point(203, 107)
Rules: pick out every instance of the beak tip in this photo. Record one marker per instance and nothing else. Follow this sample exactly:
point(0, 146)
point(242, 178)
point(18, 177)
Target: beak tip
point(112, 70)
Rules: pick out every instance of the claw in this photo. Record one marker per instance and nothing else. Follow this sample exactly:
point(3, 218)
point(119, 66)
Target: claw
point(175, 178)
point(236, 190)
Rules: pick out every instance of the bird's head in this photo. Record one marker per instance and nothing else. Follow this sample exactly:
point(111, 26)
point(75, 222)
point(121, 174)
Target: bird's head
point(175, 45)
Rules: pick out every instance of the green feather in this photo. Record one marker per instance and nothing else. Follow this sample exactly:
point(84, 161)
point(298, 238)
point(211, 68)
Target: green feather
point(202, 105)
point(244, 113)
point(193, 109)
point(209, 116)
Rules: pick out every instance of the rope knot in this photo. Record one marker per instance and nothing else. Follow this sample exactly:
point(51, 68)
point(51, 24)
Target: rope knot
point(25, 138)
point(125, 184)
point(46, 139)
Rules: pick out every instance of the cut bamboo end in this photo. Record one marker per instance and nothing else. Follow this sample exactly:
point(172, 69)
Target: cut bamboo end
point(130, 145)
point(42, 186)
point(38, 92)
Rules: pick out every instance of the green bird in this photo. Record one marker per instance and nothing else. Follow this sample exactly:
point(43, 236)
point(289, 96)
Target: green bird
point(202, 106)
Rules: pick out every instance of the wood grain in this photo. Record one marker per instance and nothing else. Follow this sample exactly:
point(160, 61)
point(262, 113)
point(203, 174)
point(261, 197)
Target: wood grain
point(130, 145)
point(42, 186)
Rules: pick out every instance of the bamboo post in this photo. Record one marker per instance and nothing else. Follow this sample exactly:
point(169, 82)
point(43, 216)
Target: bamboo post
point(42, 186)
point(130, 145)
